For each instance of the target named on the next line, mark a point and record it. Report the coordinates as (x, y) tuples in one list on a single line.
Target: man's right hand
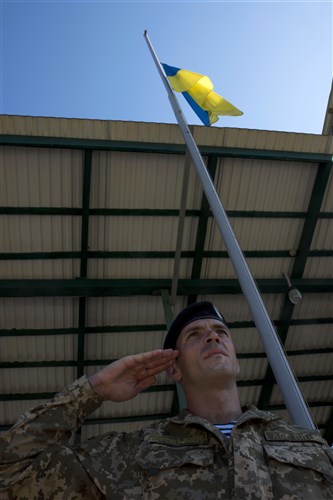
[(125, 378)]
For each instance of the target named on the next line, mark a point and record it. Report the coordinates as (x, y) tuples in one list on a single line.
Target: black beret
[(198, 310)]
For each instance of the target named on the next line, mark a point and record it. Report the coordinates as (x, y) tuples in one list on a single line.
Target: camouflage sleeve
[(49, 423)]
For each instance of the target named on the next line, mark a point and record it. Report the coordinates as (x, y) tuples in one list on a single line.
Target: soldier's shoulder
[(126, 437), (280, 430)]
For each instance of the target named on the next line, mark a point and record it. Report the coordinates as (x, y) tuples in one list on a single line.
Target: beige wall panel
[(141, 180), (309, 337), (115, 345), (318, 267), (134, 310), (40, 177), (316, 305), (38, 348), (40, 233), (31, 380), (40, 269), (137, 268), (258, 234), (38, 312), (260, 268), (323, 235), (139, 233), (265, 185)]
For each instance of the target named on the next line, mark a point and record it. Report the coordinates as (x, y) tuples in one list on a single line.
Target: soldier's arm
[(53, 422), (49, 423)]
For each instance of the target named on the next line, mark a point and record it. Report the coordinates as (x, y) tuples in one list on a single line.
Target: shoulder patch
[(293, 436), (197, 440)]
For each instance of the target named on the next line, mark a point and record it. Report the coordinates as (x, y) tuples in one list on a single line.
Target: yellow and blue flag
[(198, 91)]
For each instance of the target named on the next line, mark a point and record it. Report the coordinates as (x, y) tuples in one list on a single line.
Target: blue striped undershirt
[(226, 428)]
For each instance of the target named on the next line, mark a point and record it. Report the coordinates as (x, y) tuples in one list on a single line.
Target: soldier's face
[(206, 350)]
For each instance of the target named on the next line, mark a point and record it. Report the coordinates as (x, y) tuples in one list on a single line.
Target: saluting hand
[(125, 378)]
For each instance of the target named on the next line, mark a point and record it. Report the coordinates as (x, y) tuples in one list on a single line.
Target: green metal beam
[(49, 395), (123, 287), (84, 257), (211, 254), (104, 362), (83, 266), (90, 330), (317, 196), (85, 212), (141, 328), (157, 388), (146, 147), (167, 309), (294, 352), (40, 211), (202, 229), (155, 212)]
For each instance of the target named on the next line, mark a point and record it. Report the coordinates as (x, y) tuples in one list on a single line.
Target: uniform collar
[(185, 417)]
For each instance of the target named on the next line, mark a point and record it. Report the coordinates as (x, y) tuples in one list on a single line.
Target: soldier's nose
[(212, 337)]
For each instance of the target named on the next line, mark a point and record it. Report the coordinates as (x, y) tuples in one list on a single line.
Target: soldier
[(194, 455)]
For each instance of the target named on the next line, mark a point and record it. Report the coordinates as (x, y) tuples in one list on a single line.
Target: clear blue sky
[(79, 59)]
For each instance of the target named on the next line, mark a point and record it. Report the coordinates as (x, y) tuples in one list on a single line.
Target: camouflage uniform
[(183, 457)]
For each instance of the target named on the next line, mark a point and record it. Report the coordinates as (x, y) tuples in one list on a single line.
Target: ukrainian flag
[(198, 91)]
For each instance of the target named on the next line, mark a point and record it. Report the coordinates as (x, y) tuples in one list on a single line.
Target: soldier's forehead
[(201, 324)]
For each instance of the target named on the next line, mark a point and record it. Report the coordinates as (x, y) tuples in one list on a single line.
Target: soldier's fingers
[(153, 367), (152, 357), (145, 383), (161, 365)]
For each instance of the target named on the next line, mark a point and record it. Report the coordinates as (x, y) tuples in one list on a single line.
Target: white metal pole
[(285, 378)]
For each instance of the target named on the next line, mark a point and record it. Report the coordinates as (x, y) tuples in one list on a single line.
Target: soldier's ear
[(174, 372)]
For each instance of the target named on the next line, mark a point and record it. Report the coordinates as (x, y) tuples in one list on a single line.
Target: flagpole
[(294, 401)]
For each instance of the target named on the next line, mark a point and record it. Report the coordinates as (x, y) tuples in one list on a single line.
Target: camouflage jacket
[(183, 457)]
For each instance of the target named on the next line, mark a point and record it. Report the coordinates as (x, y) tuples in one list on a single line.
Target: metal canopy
[(89, 216)]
